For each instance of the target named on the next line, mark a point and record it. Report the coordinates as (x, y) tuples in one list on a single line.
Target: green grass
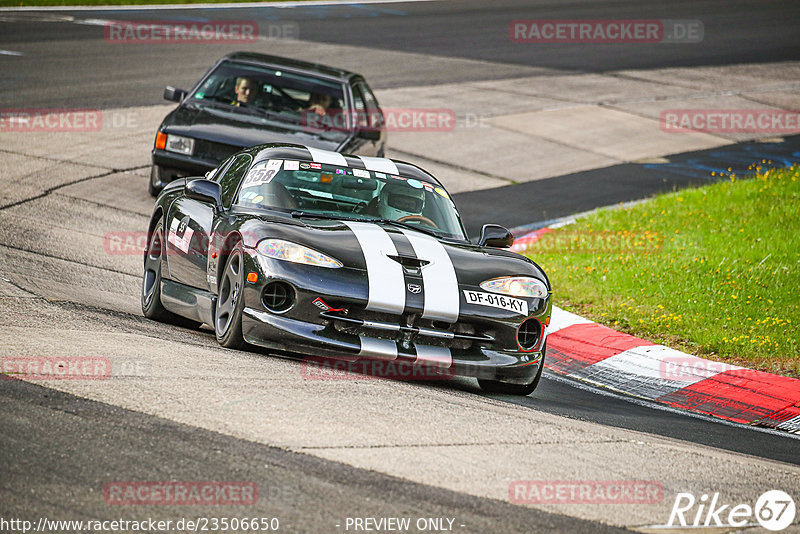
[(18, 3), (714, 271)]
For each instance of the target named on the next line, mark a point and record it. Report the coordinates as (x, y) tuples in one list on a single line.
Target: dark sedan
[(247, 99)]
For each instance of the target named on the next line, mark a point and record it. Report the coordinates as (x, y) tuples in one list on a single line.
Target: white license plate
[(497, 301)]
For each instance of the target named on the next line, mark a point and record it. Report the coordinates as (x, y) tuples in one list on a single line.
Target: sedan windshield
[(329, 191), (271, 92)]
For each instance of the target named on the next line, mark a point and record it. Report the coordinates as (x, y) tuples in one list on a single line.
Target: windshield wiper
[(430, 232), (299, 213)]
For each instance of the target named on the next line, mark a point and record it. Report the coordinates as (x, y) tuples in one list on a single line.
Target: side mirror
[(370, 134), (204, 191), (494, 235), (174, 95)]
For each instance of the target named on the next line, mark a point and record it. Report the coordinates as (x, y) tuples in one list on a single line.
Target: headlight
[(288, 251), (180, 144), (516, 286)]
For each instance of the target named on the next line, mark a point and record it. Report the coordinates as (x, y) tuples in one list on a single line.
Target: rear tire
[(495, 386), (152, 308), (230, 302)]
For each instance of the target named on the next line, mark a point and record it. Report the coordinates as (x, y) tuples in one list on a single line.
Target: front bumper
[(490, 351)]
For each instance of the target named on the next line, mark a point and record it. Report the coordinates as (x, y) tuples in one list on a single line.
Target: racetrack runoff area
[(68, 294)]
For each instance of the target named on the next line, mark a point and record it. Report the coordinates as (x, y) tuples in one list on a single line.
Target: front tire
[(156, 183), (230, 302), (152, 308), (495, 386)]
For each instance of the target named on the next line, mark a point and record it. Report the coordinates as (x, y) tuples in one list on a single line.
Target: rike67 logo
[(774, 510)]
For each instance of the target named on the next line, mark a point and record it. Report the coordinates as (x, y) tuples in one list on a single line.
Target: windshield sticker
[(305, 166), (341, 171), (380, 175), (262, 174), (414, 183), (290, 165), (258, 199), (398, 177), (442, 192), (361, 173), (317, 166)]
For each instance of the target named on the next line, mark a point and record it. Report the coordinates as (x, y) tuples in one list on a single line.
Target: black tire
[(228, 311), (495, 386), (152, 308), (156, 182)]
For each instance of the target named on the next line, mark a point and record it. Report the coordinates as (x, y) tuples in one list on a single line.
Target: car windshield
[(271, 92), (330, 191)]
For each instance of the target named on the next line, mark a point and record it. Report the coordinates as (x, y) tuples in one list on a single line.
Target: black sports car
[(249, 99), (305, 250)]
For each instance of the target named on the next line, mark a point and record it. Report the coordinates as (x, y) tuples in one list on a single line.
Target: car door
[(189, 224), (370, 134)]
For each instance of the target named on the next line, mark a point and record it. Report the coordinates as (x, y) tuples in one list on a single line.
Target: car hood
[(230, 127), (351, 242)]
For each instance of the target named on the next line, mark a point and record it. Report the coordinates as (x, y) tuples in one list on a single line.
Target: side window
[(360, 107), (374, 118), (232, 176)]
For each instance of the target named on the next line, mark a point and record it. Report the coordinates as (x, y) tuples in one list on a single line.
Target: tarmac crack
[(455, 444), (54, 257), (50, 190)]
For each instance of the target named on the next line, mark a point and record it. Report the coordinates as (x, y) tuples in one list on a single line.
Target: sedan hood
[(219, 124)]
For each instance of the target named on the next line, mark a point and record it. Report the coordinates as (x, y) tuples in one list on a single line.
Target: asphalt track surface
[(99, 439)]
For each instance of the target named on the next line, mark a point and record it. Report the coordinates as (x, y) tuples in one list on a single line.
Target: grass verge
[(713, 271)]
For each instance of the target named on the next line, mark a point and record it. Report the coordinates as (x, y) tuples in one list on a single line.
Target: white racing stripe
[(442, 301), (387, 286), (378, 349), (326, 156), (379, 164), (433, 355)]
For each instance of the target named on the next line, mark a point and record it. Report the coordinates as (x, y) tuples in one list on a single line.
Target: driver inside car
[(246, 90), (400, 200)]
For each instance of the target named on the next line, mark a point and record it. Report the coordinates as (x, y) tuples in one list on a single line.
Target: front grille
[(460, 336), (209, 150)]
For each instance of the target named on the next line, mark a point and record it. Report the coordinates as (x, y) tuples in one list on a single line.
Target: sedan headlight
[(180, 144), (516, 286), (288, 251)]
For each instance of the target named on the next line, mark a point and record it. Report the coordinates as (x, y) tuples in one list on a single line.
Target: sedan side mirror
[(494, 235), (370, 134), (204, 191), (174, 95)]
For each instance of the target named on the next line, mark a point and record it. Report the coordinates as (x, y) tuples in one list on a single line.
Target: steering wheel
[(418, 218)]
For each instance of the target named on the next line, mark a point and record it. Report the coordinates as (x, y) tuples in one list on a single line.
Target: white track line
[(10, 53), (165, 7)]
